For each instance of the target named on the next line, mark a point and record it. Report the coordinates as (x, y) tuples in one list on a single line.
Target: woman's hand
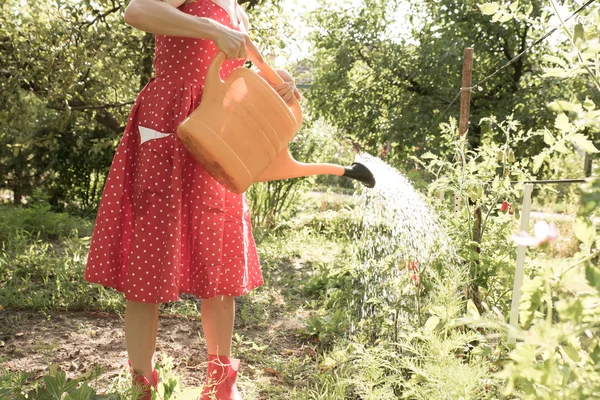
[(235, 44), (287, 90)]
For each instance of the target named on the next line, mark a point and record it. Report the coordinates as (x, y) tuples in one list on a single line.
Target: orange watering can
[(241, 130)]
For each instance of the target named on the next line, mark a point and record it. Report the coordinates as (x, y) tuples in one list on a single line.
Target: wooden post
[(463, 128), (465, 96), (465, 106)]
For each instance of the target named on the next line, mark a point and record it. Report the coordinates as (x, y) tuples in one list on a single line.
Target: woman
[(164, 225)]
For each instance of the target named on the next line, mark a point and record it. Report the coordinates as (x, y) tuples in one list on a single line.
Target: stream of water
[(400, 237)]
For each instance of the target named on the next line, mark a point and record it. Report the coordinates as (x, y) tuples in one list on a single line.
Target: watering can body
[(241, 130)]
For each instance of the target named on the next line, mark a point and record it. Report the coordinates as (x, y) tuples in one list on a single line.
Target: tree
[(381, 87), (69, 73)]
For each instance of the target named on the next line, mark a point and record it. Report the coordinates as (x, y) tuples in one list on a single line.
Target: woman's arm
[(163, 18)]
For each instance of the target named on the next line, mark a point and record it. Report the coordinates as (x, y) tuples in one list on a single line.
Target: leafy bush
[(41, 223), (439, 359), (559, 335), (562, 198)]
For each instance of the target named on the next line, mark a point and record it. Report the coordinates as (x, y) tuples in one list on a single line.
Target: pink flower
[(543, 233)]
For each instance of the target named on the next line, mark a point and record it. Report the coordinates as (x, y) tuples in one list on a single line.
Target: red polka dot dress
[(164, 225)]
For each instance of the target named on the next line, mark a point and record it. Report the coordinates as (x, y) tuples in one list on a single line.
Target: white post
[(516, 297), (456, 205)]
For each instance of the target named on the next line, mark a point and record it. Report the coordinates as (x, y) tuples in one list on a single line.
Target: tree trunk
[(18, 181)]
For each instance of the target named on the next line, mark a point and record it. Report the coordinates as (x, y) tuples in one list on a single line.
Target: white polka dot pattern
[(164, 225)]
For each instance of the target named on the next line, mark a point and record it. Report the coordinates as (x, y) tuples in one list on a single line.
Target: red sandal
[(142, 382), (221, 379)]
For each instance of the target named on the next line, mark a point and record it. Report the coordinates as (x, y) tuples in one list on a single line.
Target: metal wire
[(481, 82)]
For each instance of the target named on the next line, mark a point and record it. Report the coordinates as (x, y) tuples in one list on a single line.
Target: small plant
[(53, 386)]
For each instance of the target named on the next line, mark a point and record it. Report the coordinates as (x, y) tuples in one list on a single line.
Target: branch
[(108, 120), (77, 106), (103, 117), (524, 38), (412, 85), (101, 16), (505, 49)]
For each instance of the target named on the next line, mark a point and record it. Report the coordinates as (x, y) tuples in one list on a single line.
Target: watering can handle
[(213, 80), (269, 73)]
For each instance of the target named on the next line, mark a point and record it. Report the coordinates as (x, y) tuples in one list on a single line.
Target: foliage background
[(70, 70)]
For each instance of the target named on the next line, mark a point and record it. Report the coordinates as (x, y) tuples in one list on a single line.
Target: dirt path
[(276, 356), (80, 342)]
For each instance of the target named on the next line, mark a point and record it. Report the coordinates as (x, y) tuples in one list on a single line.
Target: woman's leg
[(218, 315), (141, 327)]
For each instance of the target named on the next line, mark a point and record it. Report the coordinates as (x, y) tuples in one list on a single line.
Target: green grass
[(42, 270), (42, 276), (313, 284)]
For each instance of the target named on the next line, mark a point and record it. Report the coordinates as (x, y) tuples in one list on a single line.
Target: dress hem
[(237, 292)]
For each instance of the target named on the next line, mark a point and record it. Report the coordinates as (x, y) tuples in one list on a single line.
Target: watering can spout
[(360, 173), (285, 167)]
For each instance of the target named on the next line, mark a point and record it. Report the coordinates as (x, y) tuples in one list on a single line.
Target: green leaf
[(572, 352), (472, 311), (561, 147), (532, 293), (555, 73), (590, 197), (84, 392), (592, 274), (562, 123), (489, 8), (496, 183), (578, 33), (505, 18), (556, 60), (538, 161), (327, 364), (561, 105), (570, 310), (595, 354), (71, 385), (474, 192), (589, 104), (428, 155), (582, 141), (514, 6), (584, 231), (53, 387), (432, 323), (548, 138)]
